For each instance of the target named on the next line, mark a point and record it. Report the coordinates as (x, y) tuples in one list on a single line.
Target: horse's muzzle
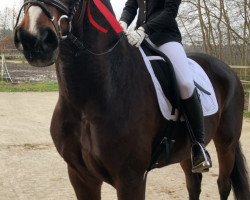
[(40, 49)]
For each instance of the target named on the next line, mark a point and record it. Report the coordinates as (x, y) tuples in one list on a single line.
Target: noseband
[(68, 14)]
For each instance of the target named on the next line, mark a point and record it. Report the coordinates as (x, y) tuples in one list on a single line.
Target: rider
[(156, 22)]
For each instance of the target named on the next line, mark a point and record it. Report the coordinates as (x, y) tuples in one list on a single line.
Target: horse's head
[(44, 24)]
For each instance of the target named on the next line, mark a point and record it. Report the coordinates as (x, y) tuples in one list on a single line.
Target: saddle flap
[(164, 73)]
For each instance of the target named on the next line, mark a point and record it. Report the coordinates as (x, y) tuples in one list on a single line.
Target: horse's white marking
[(34, 14)]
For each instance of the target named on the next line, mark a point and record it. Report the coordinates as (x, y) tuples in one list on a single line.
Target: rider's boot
[(201, 160)]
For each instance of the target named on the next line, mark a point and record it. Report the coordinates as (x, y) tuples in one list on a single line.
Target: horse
[(107, 118)]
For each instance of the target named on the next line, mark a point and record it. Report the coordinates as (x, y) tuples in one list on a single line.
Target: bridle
[(68, 14)]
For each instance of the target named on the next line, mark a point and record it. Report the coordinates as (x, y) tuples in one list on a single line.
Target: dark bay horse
[(107, 116)]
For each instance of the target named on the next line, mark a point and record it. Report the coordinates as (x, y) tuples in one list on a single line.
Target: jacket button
[(144, 21), (144, 2)]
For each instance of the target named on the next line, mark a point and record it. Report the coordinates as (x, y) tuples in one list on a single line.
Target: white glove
[(136, 37), (124, 26)]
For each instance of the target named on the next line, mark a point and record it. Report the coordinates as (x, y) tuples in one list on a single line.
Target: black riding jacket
[(157, 17)]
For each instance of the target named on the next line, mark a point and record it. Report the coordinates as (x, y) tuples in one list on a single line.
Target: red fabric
[(94, 23), (109, 16)]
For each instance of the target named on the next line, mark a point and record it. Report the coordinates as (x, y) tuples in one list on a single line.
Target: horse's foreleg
[(86, 187), (193, 180), (130, 188)]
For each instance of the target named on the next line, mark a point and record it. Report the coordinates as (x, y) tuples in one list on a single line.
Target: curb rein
[(68, 14)]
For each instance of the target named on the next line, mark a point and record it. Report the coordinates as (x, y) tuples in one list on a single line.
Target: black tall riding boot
[(200, 157)]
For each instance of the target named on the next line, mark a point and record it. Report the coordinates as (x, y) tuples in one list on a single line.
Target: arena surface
[(31, 169)]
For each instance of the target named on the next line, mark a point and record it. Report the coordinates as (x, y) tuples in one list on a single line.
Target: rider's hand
[(136, 37), (124, 26)]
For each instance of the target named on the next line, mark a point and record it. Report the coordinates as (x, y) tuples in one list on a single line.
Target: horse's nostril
[(49, 40), (17, 40), (44, 42), (25, 40)]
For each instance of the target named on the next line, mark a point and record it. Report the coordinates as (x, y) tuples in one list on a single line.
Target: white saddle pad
[(209, 102)]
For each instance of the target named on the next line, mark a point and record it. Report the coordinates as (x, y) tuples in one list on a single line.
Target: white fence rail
[(244, 75)]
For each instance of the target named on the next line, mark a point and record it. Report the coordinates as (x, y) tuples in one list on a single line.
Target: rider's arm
[(165, 19), (129, 12)]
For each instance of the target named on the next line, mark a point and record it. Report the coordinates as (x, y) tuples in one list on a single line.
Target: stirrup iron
[(204, 165)]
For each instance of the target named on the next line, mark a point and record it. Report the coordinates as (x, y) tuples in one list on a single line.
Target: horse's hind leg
[(226, 157), (226, 140), (193, 180), (86, 187)]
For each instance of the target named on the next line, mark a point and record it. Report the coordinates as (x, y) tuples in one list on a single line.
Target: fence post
[(2, 67), (248, 109)]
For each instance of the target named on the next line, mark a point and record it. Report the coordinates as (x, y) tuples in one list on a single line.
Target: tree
[(223, 28)]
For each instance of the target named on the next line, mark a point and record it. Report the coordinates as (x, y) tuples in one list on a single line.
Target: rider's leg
[(191, 103), (200, 157)]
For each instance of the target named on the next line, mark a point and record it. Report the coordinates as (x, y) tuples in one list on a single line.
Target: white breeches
[(176, 54)]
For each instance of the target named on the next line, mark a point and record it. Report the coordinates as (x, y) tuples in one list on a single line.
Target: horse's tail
[(240, 177)]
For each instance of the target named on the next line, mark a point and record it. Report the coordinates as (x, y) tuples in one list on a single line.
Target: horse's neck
[(93, 38), (88, 77)]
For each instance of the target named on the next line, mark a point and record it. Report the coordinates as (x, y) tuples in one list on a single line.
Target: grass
[(246, 114), (29, 87)]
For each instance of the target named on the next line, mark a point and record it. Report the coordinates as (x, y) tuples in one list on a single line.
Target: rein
[(82, 47), (69, 14)]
